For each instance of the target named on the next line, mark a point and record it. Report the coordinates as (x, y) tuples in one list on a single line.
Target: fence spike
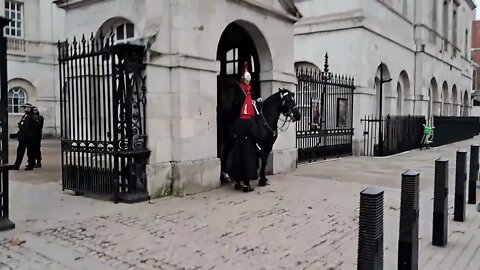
[(93, 44), (326, 63), (84, 43), (74, 46)]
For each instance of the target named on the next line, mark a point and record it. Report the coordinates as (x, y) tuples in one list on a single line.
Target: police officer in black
[(38, 137), (27, 132)]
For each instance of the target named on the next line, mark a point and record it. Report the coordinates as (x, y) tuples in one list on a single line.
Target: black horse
[(282, 102)]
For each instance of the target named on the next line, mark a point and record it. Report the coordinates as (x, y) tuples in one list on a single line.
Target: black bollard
[(409, 212), (460, 185), (473, 177), (370, 233), (440, 204)]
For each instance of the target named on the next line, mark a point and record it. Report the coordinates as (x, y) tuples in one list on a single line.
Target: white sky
[(477, 3)]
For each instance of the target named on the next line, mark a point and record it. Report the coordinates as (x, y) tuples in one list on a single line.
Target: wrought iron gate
[(5, 223), (103, 99), (326, 103)]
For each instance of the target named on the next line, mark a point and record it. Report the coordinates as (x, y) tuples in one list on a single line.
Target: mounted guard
[(247, 136)]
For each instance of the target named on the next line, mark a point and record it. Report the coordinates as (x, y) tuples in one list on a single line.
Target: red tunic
[(247, 112)]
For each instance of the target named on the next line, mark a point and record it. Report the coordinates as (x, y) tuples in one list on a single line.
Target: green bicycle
[(427, 138)]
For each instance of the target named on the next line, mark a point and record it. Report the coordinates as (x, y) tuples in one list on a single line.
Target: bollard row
[(370, 235)]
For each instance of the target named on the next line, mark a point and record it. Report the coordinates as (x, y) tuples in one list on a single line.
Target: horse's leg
[(264, 158)]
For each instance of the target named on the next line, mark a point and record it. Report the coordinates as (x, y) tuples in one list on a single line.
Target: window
[(124, 32), (17, 97), (433, 33), (466, 43), (405, 8), (445, 25), (232, 61), (14, 12), (454, 29)]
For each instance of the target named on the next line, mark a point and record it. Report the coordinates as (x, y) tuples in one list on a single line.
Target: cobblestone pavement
[(307, 219)]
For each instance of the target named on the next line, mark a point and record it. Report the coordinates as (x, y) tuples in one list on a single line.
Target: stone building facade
[(191, 48), (422, 46), (35, 27)]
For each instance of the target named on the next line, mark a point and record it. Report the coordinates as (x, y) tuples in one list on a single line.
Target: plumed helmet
[(246, 75)]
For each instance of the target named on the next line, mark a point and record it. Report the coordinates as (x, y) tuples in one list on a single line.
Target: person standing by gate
[(247, 134), (27, 128), (38, 137)]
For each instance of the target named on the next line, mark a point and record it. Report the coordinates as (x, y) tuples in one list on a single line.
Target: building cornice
[(68, 4), (471, 4), (278, 13)]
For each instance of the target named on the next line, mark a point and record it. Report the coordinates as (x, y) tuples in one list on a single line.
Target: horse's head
[(289, 106)]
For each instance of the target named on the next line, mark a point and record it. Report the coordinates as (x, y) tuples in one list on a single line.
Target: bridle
[(287, 120)]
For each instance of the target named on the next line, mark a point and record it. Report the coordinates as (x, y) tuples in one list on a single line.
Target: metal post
[(380, 128), (473, 178), (440, 204), (370, 233), (5, 223), (409, 212), (460, 186)]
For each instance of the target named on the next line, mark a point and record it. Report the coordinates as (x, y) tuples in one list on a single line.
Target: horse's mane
[(271, 99)]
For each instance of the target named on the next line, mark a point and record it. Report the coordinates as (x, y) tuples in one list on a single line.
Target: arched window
[(118, 28), (124, 32), (17, 97)]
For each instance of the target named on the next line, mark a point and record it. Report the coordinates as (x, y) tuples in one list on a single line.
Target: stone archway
[(445, 98), (466, 104), (455, 102), (383, 99), (403, 94), (240, 42), (435, 100)]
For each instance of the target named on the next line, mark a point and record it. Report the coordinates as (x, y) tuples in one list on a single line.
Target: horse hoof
[(224, 178), (263, 183)]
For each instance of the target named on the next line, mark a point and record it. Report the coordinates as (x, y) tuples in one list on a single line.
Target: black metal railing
[(326, 104), (5, 223), (398, 134), (103, 106), (449, 129)]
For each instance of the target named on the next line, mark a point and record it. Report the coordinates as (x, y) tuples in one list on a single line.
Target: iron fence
[(103, 106), (388, 135), (449, 129), (5, 222), (326, 104)]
